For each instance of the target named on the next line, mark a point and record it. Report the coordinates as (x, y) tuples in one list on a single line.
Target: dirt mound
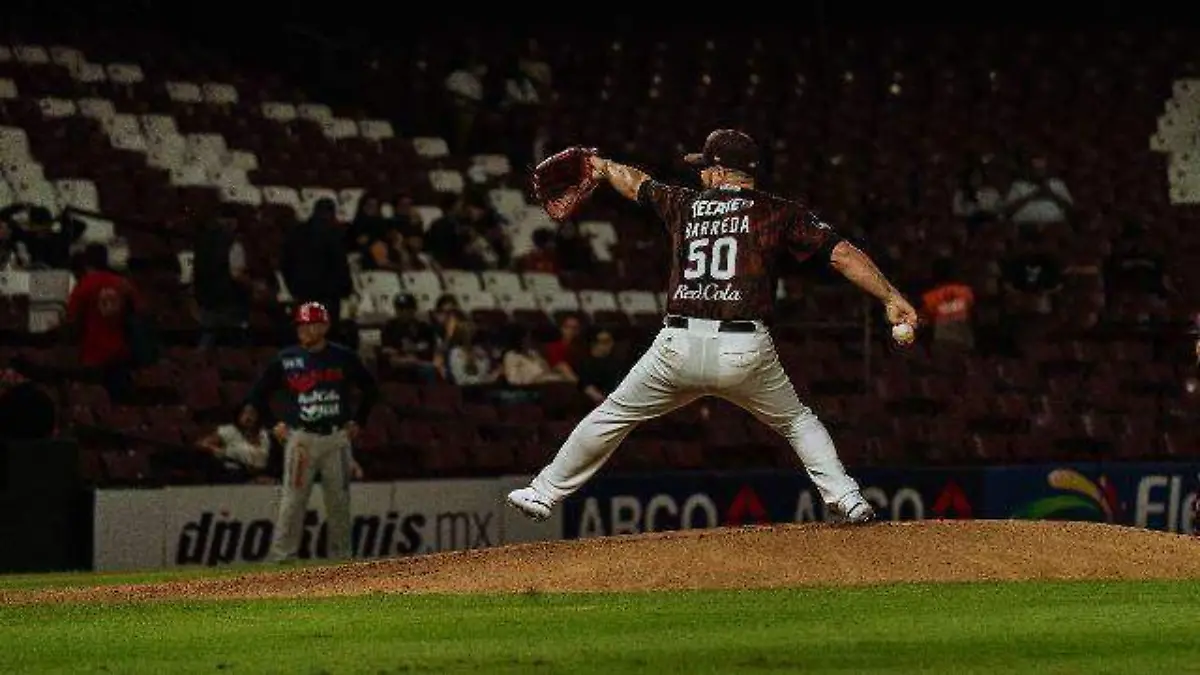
[(748, 557)]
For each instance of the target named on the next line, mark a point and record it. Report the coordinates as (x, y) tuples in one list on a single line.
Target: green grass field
[(959, 628)]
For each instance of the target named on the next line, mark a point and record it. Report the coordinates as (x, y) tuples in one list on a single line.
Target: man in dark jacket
[(220, 282), (314, 263)]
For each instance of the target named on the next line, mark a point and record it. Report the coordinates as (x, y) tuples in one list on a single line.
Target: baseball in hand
[(903, 333)]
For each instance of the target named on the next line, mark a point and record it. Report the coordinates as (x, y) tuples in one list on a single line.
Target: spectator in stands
[(1136, 268), (565, 353), (469, 363), (523, 363), (532, 63), (368, 224), (456, 240), (573, 249), (1030, 276), (464, 88), (409, 346), (1037, 197), (13, 253), (97, 313), (542, 257), (445, 315), (385, 250), (600, 371), (221, 282), (314, 262), (408, 221), (243, 447), (977, 200), (46, 242), (27, 412), (948, 307)]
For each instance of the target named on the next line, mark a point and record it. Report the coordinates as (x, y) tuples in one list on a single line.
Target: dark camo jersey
[(727, 245)]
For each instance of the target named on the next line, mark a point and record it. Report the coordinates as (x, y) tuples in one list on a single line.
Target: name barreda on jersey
[(710, 291), (709, 228)]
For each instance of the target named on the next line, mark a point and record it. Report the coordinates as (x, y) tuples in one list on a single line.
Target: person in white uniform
[(729, 240)]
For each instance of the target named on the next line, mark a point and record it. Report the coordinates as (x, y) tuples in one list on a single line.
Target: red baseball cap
[(311, 312), (729, 148)]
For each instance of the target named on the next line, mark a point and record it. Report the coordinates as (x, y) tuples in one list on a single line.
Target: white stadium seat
[(125, 73), (501, 281), (219, 93), (541, 282), (421, 281), (90, 73), (8, 89), (558, 301), (32, 54), (68, 57), (309, 197), (474, 300), (57, 107), (97, 108), (315, 112), (184, 92), (339, 128), (447, 180), (602, 236), (79, 193), (187, 267), (457, 281), (638, 302), (512, 301), (596, 300), (431, 147), (375, 129), (279, 111)]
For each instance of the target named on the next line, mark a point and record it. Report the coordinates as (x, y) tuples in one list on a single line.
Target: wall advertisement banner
[(648, 503), (226, 524)]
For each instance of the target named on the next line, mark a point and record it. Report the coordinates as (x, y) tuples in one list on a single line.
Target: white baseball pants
[(307, 455), (684, 364)]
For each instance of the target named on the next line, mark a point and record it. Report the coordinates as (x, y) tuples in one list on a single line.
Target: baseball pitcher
[(729, 239), (319, 430)]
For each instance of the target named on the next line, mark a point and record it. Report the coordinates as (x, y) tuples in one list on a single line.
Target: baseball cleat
[(852, 510), (530, 503)]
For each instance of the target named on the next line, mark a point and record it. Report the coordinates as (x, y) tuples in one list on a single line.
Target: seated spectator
[(1030, 277), (600, 371), (1037, 198), (243, 447), (385, 250), (98, 311), (469, 363), (977, 200), (13, 253), (948, 307), (1136, 267), (27, 412), (542, 258), (565, 353), (409, 346), (445, 314), (368, 224), (523, 363), (572, 249)]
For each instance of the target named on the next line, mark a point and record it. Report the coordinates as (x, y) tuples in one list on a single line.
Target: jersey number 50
[(718, 261)]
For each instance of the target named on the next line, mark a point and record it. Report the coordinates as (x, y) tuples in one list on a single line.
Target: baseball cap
[(729, 148), (311, 312)]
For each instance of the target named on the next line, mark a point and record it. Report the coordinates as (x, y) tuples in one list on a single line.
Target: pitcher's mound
[(747, 557)]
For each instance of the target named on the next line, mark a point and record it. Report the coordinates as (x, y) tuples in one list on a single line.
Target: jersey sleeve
[(809, 236), (667, 201), (367, 386)]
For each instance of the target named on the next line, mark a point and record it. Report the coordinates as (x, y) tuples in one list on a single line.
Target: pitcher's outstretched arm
[(625, 179)]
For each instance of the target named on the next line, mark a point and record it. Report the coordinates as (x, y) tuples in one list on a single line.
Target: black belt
[(676, 321), (323, 429)]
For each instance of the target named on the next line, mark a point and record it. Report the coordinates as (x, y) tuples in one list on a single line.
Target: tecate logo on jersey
[(710, 291)]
